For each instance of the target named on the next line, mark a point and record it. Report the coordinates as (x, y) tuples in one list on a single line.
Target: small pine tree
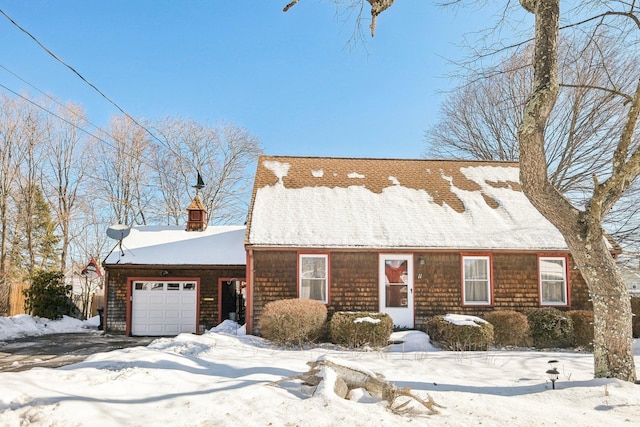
[(48, 296), (46, 241)]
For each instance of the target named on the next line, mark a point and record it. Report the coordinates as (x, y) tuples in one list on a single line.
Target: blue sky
[(291, 79)]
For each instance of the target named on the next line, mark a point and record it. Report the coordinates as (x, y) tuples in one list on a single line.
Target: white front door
[(396, 288), (163, 308)]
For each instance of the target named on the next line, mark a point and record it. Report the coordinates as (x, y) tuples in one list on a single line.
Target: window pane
[(476, 280), (553, 283), (313, 267), (313, 277), (396, 271), (551, 269), (157, 286), (173, 286), (476, 269), (396, 295), (189, 287), (313, 289), (553, 292)]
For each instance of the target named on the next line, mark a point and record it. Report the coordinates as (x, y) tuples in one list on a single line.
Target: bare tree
[(34, 243), (223, 156), (11, 156), (582, 227), (479, 120), (122, 171), (64, 173)]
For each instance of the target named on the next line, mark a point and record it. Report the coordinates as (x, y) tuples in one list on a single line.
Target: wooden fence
[(16, 298), (97, 301)]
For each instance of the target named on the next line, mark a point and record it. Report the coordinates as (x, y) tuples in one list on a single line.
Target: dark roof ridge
[(274, 156)]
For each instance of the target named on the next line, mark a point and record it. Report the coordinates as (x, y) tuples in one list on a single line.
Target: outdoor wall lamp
[(553, 373), (421, 261)]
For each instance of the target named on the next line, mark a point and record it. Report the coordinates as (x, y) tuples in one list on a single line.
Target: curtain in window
[(552, 280), (476, 279), (313, 278)]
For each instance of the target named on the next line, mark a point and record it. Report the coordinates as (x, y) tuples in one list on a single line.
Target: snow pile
[(222, 379), (23, 325)]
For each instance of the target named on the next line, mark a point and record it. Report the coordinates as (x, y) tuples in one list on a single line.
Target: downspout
[(249, 274)]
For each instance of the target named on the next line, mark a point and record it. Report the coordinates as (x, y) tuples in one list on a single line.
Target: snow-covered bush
[(359, 329), (582, 327), (550, 328), (293, 321), (510, 328), (460, 333)]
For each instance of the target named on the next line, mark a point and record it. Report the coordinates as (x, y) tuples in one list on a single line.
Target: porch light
[(421, 260), (553, 373)]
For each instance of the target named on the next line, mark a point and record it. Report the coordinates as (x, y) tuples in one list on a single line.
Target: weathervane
[(200, 183)]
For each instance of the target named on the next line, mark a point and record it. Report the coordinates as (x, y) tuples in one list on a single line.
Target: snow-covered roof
[(382, 203), (172, 245)]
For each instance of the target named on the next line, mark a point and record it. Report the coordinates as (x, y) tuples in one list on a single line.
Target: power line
[(53, 100), (60, 60), (56, 115)]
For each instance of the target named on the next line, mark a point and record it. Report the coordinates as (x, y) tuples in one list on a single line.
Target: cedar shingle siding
[(437, 287), (116, 309)]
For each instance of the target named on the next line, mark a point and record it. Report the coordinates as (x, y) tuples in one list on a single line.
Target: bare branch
[(290, 5), (604, 89)]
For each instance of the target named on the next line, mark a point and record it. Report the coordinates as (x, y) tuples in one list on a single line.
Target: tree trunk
[(613, 354), (612, 348)]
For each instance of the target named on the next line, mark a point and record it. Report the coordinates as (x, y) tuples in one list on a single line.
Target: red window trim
[(567, 274), (462, 298), (328, 255)]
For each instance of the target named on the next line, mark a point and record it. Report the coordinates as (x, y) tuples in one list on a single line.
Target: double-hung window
[(313, 276), (553, 280), (476, 286)]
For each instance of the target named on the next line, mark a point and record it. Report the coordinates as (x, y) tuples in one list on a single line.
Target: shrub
[(582, 327), (293, 321), (49, 296), (476, 334), (635, 308), (510, 328), (359, 329), (550, 328)]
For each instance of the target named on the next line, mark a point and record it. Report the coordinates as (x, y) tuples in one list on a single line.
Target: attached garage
[(167, 280), (160, 308)]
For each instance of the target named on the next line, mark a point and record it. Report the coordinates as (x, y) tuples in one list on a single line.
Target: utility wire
[(56, 101), (56, 115), (60, 60), (107, 143)]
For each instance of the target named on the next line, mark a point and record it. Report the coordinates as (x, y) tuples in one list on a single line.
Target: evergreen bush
[(359, 329), (550, 328), (460, 337), (582, 328), (510, 328), (49, 296), (293, 321)]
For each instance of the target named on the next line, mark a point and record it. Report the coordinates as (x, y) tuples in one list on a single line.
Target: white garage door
[(163, 308)]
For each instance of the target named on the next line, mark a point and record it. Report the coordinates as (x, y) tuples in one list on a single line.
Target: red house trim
[(491, 279), (567, 275)]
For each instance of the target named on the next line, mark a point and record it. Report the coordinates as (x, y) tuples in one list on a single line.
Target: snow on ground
[(222, 378), (24, 325)]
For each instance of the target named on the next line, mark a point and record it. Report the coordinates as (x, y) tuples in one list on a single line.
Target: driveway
[(54, 350)]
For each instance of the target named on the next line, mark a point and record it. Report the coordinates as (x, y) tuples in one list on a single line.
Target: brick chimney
[(197, 220)]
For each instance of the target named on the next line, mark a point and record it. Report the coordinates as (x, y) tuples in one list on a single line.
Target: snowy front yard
[(222, 379)]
